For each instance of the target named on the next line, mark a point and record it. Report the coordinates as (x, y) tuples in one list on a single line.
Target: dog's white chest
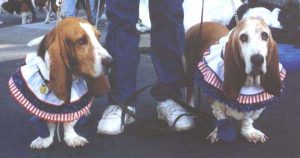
[(35, 73)]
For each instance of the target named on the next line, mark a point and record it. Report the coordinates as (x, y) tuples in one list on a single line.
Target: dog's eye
[(81, 41), (264, 36), (244, 37)]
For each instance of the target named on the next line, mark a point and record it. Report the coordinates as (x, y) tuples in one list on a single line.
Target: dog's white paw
[(213, 136), (75, 140), (255, 136), (41, 143)]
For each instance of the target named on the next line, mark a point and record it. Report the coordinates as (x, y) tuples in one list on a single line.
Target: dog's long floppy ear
[(192, 53), (271, 80), (234, 69), (60, 72), (44, 44), (98, 86)]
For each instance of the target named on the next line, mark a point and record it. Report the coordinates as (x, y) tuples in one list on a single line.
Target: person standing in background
[(70, 9), (167, 46)]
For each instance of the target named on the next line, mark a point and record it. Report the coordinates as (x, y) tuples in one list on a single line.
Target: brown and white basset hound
[(249, 59), (74, 60), (72, 49)]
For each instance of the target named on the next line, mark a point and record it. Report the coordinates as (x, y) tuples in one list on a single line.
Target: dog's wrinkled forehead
[(72, 29), (252, 26)]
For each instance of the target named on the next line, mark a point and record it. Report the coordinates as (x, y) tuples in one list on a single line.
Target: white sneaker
[(111, 122), (169, 110)]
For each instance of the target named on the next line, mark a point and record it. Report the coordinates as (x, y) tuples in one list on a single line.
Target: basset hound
[(238, 69), (25, 7), (58, 83)]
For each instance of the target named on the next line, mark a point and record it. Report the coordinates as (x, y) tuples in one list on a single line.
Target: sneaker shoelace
[(112, 112), (172, 109)]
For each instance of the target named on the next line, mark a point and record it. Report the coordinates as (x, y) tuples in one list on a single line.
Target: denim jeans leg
[(122, 43), (70, 8), (167, 41)]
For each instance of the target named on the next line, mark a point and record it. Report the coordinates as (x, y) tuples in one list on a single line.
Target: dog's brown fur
[(196, 44)]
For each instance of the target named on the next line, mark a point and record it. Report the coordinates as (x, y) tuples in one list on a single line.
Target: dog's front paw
[(213, 136), (41, 143), (254, 135), (75, 140)]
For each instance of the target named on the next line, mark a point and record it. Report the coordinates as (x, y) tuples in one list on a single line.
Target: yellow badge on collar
[(43, 89)]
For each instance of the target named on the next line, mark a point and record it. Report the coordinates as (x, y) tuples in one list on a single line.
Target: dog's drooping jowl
[(238, 69), (58, 83)]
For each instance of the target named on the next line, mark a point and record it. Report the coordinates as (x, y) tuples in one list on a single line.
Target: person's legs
[(122, 43), (70, 8), (93, 10), (167, 43), (32, 9)]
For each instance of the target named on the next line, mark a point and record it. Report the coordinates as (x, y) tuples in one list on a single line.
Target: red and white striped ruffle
[(42, 114), (210, 77)]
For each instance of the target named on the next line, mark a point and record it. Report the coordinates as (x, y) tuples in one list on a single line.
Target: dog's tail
[(35, 41)]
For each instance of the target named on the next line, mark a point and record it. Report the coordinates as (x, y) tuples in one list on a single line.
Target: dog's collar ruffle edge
[(48, 107), (218, 94)]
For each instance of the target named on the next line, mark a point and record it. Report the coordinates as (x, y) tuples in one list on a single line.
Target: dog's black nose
[(106, 62), (257, 60)]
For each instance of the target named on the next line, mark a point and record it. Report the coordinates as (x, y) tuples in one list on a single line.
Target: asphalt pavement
[(280, 121)]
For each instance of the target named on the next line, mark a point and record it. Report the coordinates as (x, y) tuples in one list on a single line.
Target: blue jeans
[(70, 8), (167, 44)]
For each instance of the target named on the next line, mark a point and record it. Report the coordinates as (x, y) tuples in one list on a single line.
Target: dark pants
[(167, 44), (31, 8)]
